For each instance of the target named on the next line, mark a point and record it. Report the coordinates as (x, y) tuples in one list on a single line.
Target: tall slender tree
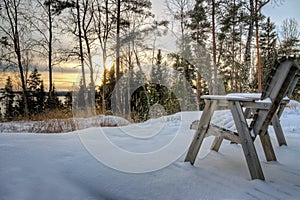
[(267, 40), (8, 100), (290, 38), (36, 97), (258, 6), (13, 27), (43, 20)]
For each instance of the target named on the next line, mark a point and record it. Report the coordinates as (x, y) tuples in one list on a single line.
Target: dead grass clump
[(55, 126)]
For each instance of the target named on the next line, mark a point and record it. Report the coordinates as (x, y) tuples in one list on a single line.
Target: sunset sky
[(66, 76)]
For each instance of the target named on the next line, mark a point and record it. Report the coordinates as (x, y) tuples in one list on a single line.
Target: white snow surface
[(59, 166)]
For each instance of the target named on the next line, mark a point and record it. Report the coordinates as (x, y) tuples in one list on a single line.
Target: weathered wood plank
[(246, 141), (281, 108), (221, 134), (278, 88), (257, 105), (221, 102), (293, 85), (201, 131), (217, 131)]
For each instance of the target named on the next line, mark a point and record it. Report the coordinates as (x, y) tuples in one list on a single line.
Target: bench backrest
[(279, 85)]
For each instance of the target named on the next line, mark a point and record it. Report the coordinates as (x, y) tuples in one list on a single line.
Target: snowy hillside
[(82, 165)]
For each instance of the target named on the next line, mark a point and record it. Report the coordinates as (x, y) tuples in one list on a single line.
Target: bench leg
[(267, 146), (201, 132), (246, 141), (278, 131)]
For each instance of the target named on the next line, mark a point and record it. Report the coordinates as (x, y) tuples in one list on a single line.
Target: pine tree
[(198, 23), (36, 93), (268, 38), (8, 100), (40, 98), (68, 100), (51, 9), (228, 39), (158, 74), (15, 28), (105, 90), (200, 28), (52, 101)]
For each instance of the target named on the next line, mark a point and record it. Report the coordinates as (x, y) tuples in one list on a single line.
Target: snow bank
[(62, 125)]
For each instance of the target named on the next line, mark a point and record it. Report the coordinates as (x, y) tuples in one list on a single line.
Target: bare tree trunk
[(50, 52), (198, 90), (247, 57), (257, 10), (106, 31), (80, 44), (118, 99), (238, 71), (18, 52), (258, 58), (215, 86), (118, 40), (104, 58), (102, 28), (233, 89), (85, 28), (12, 14)]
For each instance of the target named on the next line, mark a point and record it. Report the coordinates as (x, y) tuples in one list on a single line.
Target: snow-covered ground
[(87, 164)]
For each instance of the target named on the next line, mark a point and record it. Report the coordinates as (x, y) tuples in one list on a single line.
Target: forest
[(222, 46)]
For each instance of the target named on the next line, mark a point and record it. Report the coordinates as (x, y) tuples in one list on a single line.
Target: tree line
[(222, 46)]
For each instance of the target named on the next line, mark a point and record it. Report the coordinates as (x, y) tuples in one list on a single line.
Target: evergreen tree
[(80, 100), (268, 38), (8, 99), (40, 98), (200, 28), (36, 93), (228, 43), (138, 104), (198, 23), (158, 74), (53, 102), (68, 100), (105, 90)]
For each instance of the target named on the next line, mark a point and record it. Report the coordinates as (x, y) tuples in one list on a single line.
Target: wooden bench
[(265, 111)]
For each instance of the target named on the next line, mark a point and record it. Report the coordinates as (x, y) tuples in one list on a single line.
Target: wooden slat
[(214, 130), (246, 141), (293, 85), (221, 102), (281, 108), (257, 105), (201, 132)]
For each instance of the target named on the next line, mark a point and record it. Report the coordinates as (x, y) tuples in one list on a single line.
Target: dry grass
[(64, 120), (46, 115)]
